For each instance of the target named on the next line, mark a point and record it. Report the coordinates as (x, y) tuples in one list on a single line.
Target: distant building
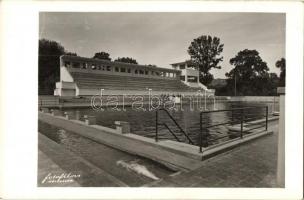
[(81, 76), (189, 74)]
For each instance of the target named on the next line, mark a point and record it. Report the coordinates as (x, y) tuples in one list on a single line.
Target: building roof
[(184, 62), (115, 63)]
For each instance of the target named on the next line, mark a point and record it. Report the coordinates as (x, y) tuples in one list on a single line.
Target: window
[(108, 68), (146, 72), (129, 70), (116, 69), (152, 73), (98, 67), (122, 69), (182, 78), (182, 66), (141, 71), (136, 71), (192, 79), (157, 73), (93, 67), (84, 66)]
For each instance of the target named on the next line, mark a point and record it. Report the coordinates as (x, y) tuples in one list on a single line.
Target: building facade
[(189, 74), (81, 76)]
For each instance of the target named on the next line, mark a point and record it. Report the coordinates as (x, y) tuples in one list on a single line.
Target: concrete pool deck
[(250, 165)]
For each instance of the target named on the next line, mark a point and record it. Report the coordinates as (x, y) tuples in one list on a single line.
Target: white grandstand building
[(81, 76)]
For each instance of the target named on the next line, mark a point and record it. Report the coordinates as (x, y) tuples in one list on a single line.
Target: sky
[(163, 38)]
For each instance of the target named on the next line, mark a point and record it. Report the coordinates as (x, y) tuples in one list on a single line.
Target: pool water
[(143, 122)]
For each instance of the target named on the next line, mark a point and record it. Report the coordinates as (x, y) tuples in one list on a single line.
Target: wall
[(89, 92), (65, 75), (89, 62), (132, 74), (255, 98), (65, 85)]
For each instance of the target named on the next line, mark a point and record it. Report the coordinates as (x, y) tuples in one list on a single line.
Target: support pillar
[(281, 140), (89, 120), (66, 115), (55, 112), (122, 127), (45, 110)]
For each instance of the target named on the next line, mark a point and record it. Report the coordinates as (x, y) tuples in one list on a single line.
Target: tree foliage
[(251, 75), (205, 54), (126, 60), (48, 65), (102, 55), (282, 66)]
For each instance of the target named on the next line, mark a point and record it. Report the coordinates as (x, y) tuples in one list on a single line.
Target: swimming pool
[(143, 122)]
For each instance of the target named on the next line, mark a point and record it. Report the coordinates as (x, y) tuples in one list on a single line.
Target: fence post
[(201, 133), (266, 118), (242, 120), (232, 117), (205, 137), (156, 126)]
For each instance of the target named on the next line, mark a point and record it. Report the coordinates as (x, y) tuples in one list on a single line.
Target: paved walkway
[(54, 160), (249, 165), (96, 164), (45, 166)]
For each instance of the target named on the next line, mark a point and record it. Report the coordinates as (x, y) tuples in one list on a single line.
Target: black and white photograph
[(161, 99), (151, 99)]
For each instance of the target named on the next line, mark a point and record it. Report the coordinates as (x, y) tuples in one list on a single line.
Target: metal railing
[(243, 117), (165, 125), (51, 102), (60, 102)]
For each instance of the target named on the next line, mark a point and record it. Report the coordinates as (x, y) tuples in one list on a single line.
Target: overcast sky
[(163, 38)]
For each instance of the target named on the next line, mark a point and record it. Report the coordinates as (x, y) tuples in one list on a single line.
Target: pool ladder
[(169, 129)]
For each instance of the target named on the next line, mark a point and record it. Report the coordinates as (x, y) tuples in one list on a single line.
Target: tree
[(126, 60), (273, 83), (219, 85), (281, 64), (205, 54), (48, 65), (250, 73), (102, 55)]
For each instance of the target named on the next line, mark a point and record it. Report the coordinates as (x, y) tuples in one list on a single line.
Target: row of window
[(117, 69), (192, 79), (183, 66)]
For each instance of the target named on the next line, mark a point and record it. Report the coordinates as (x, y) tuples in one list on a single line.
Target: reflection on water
[(143, 122)]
